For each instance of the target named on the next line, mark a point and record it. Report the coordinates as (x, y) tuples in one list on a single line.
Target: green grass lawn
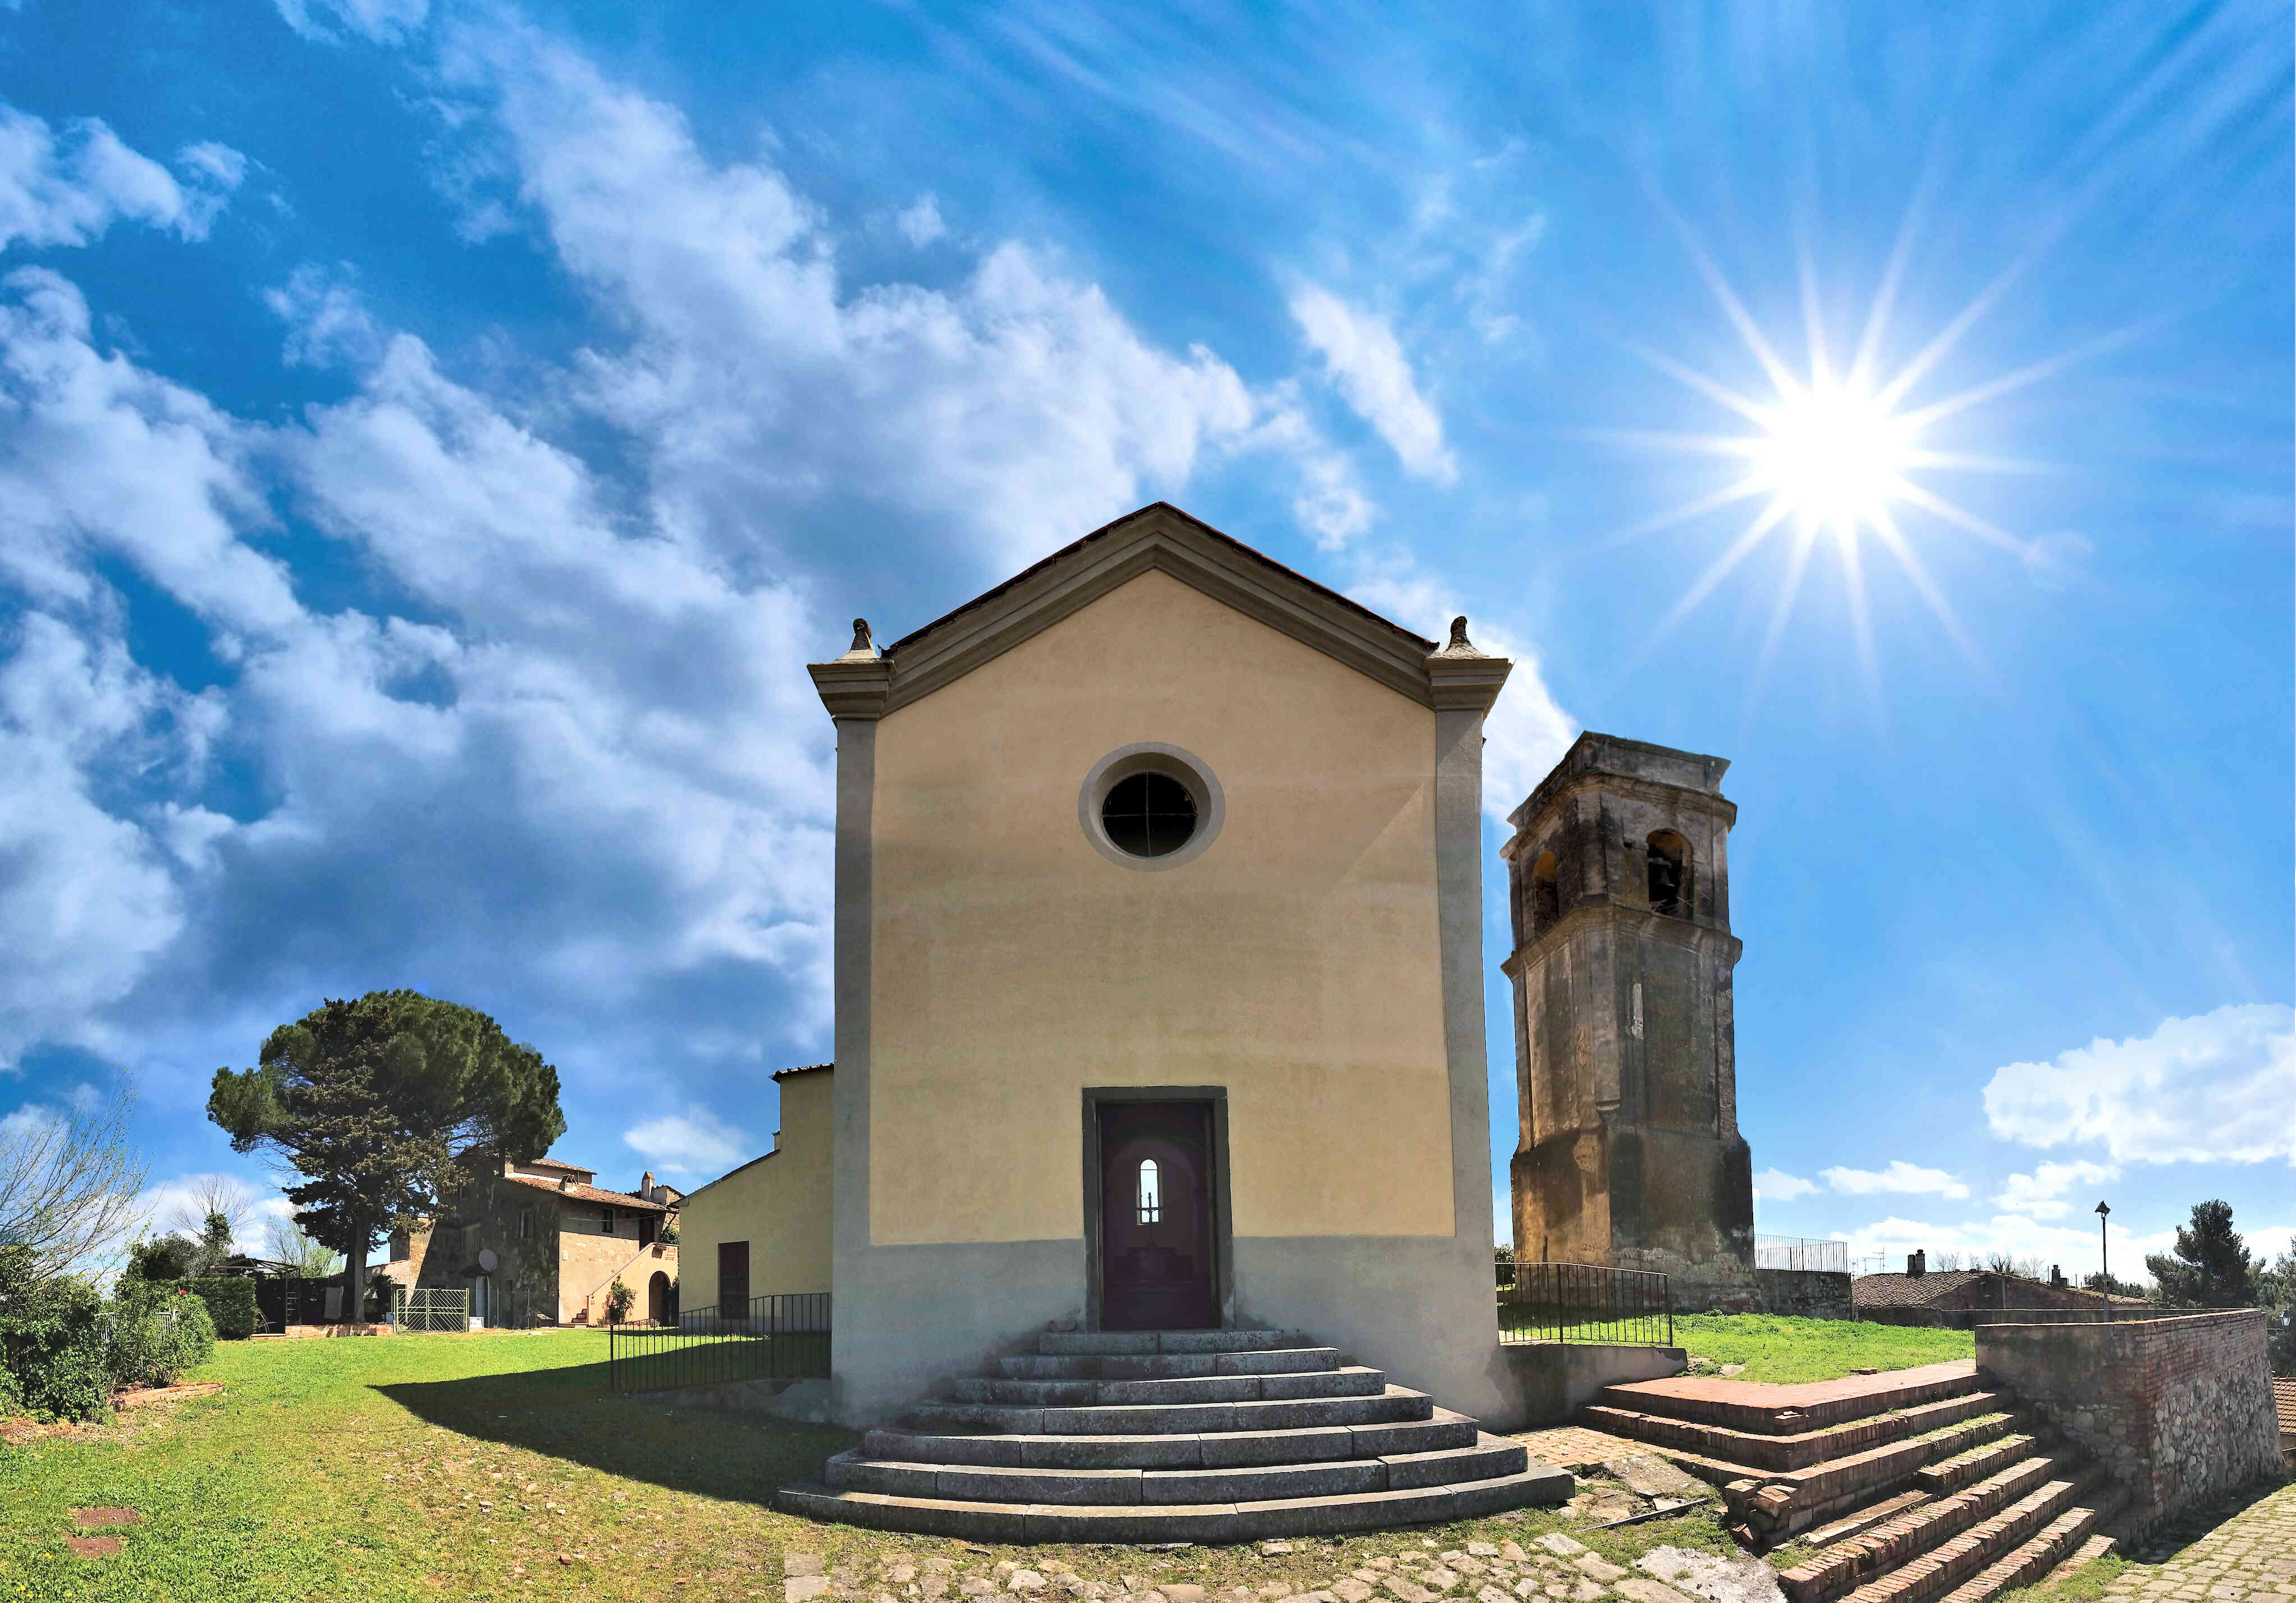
[(499, 1466), (1782, 1350)]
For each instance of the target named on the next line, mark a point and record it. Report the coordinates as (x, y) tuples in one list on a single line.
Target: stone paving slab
[(2249, 1558), (1574, 1447)]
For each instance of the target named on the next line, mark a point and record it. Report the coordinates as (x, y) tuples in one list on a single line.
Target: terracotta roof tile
[(2283, 1397), (804, 1068), (1909, 1290), (621, 1200)]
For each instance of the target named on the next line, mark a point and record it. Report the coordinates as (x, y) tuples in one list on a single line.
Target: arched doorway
[(658, 1299)]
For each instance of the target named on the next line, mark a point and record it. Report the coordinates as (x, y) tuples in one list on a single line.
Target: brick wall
[(2179, 1409)]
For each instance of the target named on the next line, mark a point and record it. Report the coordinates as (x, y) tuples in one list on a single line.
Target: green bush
[(231, 1303), (158, 1331), (52, 1341)]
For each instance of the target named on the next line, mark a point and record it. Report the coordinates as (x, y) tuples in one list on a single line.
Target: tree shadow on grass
[(570, 1413)]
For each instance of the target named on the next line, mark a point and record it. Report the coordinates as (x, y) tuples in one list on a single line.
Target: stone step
[(1943, 1568), (1842, 1565), (1962, 1469), (1217, 1522), (1787, 1410), (1354, 1381), (1489, 1457), (1061, 1343), (1766, 1450), (1388, 1405), (1211, 1450), (2063, 1538), (1158, 1366)]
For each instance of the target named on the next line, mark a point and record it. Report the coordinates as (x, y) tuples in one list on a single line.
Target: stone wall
[(1815, 1294), (1548, 1382), (2179, 1409)]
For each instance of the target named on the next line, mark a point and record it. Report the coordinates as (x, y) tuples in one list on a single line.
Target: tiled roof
[(1909, 1290), (809, 1068), (590, 1194), (2284, 1396), (555, 1164)]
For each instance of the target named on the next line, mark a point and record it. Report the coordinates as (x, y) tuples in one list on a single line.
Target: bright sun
[(1835, 454)]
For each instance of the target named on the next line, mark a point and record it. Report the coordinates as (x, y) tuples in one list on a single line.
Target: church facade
[(1159, 993)]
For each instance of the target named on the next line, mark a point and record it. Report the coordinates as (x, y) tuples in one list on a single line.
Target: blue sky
[(434, 439)]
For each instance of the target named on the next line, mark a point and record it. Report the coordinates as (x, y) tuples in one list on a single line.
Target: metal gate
[(431, 1308)]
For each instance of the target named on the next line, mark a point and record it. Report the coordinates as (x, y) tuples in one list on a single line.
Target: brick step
[(1355, 1381), (1894, 1543), (1210, 1449), (2094, 1548), (1158, 1366), (1866, 1518), (1789, 1410), (1218, 1522), (1764, 1451), (1962, 1469), (1793, 1501), (2057, 1545), (1487, 1458), (1391, 1403), (1064, 1343), (1964, 1558)]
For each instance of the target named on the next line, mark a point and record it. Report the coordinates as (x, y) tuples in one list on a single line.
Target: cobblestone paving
[(1575, 1447), (2250, 1555)]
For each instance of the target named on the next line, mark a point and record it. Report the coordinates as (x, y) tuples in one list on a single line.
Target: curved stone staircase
[(1916, 1485), (1179, 1435)]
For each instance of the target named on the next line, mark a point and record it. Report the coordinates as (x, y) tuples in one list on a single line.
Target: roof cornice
[(1159, 538)]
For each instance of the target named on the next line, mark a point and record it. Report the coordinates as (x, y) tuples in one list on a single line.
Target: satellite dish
[(487, 1261)]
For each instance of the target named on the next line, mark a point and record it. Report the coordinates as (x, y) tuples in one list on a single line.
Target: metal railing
[(781, 1337), (1797, 1252), (1586, 1302)]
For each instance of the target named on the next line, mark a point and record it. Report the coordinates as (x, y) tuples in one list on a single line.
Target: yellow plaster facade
[(1295, 962), (779, 1203)]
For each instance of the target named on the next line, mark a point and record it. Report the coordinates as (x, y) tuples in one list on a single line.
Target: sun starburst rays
[(1839, 457)]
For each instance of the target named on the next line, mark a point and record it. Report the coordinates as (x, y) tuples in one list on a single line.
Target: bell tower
[(1625, 1051)]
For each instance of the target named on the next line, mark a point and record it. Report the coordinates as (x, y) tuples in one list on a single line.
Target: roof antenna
[(1459, 634)]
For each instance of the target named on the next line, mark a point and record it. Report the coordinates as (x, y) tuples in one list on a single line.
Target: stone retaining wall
[(1815, 1293), (2179, 1410)]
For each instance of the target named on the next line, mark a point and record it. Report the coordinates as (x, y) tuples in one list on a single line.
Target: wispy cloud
[(1775, 1184), (1365, 363), (2040, 1195), (695, 1142), (1899, 1178)]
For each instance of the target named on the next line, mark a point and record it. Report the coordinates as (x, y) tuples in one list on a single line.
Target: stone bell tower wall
[(1629, 1152)]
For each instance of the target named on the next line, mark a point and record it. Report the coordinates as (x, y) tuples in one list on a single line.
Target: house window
[(1151, 1192), (606, 1218)]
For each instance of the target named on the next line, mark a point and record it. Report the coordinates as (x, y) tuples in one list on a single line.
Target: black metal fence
[(780, 1337), (1585, 1302)]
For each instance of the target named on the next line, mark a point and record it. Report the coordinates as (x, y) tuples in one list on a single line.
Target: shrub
[(53, 1343), (157, 1333), (619, 1298), (231, 1304)]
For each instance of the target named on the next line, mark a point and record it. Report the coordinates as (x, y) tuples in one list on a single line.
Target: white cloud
[(69, 189), (1900, 1178), (2071, 1247), (1775, 1184), (2041, 1193), (2217, 1088), (1365, 362), (696, 1142), (921, 224), (382, 21)]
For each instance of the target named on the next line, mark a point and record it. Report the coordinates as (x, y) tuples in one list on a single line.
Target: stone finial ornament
[(1459, 634), (861, 641)]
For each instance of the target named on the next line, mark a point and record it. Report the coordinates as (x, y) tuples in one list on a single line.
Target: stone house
[(763, 1229), (1923, 1296), (541, 1243)]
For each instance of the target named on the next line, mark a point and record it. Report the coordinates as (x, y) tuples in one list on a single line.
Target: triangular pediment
[(1163, 539)]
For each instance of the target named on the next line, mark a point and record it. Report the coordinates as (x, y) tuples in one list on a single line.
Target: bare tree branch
[(68, 1180)]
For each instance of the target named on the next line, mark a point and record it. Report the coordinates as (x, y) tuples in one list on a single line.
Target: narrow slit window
[(1151, 1192)]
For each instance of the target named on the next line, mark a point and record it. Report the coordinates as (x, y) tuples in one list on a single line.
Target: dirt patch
[(147, 1396), (92, 1547), (106, 1516)]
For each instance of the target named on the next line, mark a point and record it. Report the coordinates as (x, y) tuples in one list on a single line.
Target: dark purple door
[(1156, 1216)]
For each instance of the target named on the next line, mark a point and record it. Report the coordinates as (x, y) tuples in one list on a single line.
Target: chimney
[(1917, 1263), (565, 1180), (645, 1186), (2056, 1274)]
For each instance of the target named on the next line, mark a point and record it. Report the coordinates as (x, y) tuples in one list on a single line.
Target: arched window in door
[(1151, 1193)]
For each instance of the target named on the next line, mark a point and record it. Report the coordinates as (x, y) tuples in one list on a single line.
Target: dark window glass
[(1149, 815)]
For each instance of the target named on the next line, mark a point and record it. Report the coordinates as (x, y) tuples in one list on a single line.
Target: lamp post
[(2104, 1257)]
